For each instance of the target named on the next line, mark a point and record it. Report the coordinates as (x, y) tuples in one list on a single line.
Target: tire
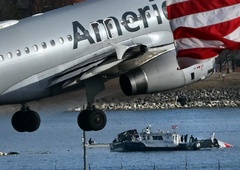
[(32, 121), (83, 121), (97, 120), (18, 121)]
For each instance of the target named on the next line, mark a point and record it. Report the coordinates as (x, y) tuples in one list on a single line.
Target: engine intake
[(134, 82)]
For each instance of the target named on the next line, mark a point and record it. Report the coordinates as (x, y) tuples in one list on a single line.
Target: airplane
[(85, 45)]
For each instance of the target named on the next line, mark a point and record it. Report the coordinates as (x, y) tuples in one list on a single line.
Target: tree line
[(17, 9)]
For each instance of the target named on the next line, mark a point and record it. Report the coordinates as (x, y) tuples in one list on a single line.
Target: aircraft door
[(112, 28), (99, 32)]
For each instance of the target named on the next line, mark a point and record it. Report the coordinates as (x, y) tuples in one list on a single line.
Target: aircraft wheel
[(97, 120), (32, 121), (82, 120), (18, 121)]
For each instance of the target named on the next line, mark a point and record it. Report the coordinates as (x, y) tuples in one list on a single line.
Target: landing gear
[(92, 118), (26, 120)]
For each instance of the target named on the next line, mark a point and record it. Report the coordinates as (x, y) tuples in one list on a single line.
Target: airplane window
[(44, 45), (61, 40), (156, 13), (86, 32), (78, 36), (110, 26), (35, 47), (69, 37), (139, 17), (9, 55), (26, 50), (52, 42), (96, 30), (148, 15), (164, 9), (18, 52), (131, 20), (1, 58), (192, 76), (123, 22)]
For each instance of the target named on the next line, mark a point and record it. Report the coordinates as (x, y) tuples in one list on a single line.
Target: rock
[(188, 99)]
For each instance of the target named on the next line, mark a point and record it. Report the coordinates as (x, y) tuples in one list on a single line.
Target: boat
[(8, 153), (97, 145), (161, 140)]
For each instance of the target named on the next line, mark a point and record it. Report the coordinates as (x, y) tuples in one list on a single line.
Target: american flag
[(202, 29)]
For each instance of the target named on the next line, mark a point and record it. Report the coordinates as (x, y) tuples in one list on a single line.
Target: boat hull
[(139, 146), (147, 140)]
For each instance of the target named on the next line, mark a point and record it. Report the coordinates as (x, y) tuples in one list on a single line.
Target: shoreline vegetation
[(219, 90), (18, 9)]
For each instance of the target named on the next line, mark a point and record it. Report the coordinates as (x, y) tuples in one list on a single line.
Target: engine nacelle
[(162, 74)]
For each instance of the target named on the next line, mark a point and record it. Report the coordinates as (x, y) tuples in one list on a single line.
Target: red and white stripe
[(224, 144), (202, 29)]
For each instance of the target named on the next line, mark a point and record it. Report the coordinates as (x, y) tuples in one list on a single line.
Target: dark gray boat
[(147, 140)]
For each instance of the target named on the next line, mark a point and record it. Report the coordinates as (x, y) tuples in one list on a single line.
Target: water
[(58, 142)]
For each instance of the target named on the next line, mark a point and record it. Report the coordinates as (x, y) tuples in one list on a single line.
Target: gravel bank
[(178, 99), (212, 92)]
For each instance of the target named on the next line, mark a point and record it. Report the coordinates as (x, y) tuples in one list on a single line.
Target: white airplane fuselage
[(37, 49), (88, 44)]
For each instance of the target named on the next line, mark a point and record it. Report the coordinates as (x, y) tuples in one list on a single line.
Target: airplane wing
[(111, 66)]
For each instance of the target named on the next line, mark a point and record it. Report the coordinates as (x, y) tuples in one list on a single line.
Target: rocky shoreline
[(209, 93), (177, 99)]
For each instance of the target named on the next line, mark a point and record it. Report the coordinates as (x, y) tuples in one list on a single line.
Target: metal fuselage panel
[(40, 47)]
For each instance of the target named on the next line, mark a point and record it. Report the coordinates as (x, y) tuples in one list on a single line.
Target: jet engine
[(162, 73)]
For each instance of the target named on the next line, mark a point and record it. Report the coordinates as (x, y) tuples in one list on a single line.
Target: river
[(58, 142)]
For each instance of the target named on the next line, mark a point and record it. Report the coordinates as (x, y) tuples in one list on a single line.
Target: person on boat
[(147, 130), (191, 138), (90, 141), (138, 137), (115, 140), (185, 138), (181, 138), (133, 138)]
